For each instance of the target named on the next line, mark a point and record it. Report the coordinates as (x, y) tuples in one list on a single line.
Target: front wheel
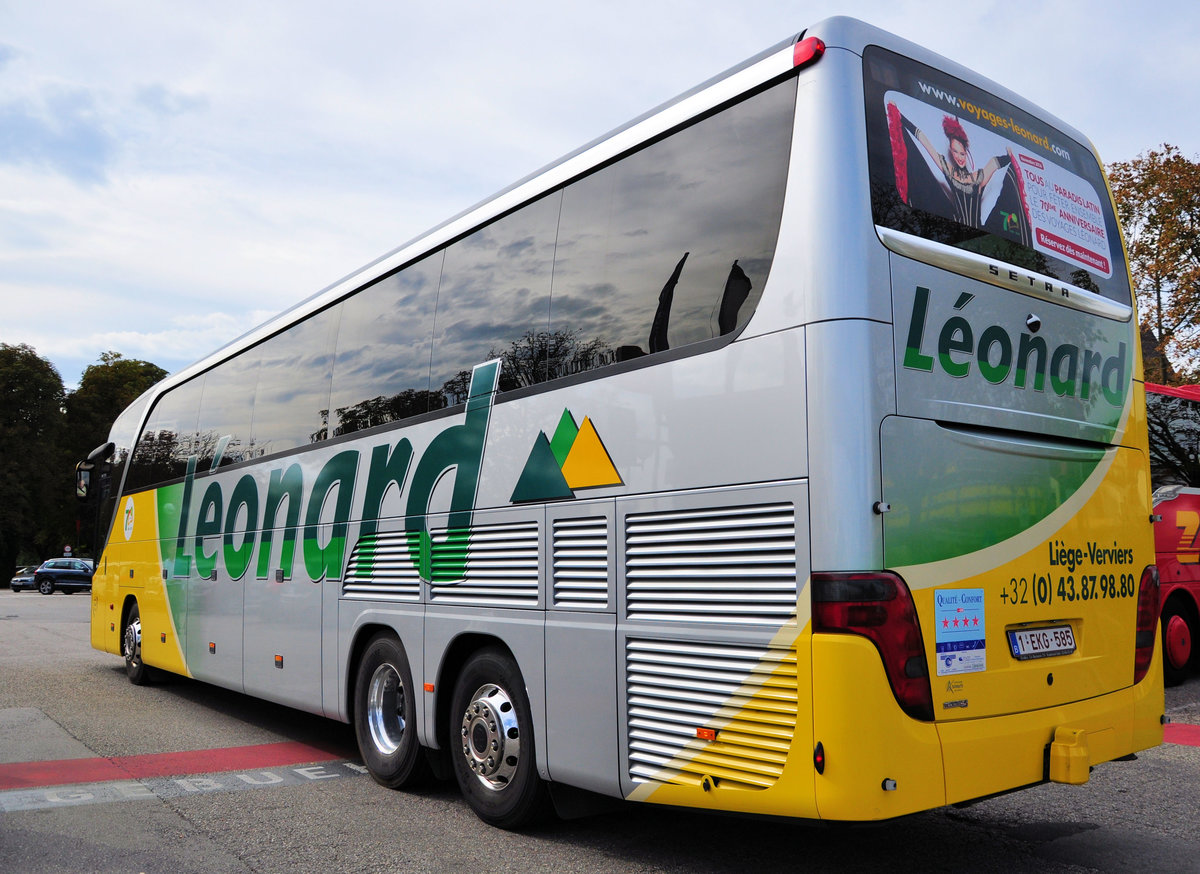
[(131, 647), (491, 743), (46, 585), (1179, 643), (385, 715)]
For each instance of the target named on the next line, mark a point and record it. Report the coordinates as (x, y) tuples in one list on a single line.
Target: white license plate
[(1039, 643)]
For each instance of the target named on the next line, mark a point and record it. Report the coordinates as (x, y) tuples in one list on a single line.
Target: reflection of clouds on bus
[(383, 347), (571, 282)]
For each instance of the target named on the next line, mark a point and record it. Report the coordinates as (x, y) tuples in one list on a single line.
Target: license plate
[(1040, 643)]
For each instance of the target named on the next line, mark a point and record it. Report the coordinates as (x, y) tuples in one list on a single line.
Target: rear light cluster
[(1147, 622), (879, 607)]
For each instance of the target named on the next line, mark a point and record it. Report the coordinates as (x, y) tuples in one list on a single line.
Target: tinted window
[(291, 403), (168, 439), (226, 406), (123, 434), (956, 165), (381, 372), (672, 244), (494, 301), (1174, 425), (666, 247)]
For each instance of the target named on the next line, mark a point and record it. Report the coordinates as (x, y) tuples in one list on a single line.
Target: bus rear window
[(956, 165)]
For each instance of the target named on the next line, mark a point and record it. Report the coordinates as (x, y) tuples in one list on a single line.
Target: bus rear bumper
[(882, 764), (1059, 744)]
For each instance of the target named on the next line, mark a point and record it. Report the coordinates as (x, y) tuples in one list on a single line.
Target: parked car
[(23, 578), (66, 574)]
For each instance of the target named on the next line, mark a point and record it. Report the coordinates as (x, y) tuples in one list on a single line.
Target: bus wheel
[(491, 743), (1178, 643), (131, 648), (385, 715)]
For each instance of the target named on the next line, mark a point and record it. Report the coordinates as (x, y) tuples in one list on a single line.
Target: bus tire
[(385, 715), (491, 743), (1179, 643), (131, 647)]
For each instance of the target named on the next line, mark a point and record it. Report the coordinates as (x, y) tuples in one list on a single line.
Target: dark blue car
[(63, 574)]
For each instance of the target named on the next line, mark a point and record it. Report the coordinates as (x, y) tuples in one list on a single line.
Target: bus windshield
[(953, 164)]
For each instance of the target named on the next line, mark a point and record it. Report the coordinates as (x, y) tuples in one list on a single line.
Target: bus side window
[(672, 244), (494, 301)]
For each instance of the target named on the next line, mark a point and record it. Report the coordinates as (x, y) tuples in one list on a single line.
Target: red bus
[(1173, 416)]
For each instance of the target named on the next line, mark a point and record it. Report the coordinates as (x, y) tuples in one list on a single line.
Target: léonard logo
[(129, 517), (1027, 360), (574, 458), (256, 526)]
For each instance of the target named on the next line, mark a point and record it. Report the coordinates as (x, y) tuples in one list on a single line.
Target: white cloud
[(182, 170)]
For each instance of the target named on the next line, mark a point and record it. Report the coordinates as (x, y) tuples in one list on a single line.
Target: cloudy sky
[(173, 173)]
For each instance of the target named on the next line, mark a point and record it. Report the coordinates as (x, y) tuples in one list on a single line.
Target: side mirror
[(83, 480)]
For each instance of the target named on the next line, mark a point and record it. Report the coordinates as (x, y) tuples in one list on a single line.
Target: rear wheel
[(1179, 643), (385, 715), (46, 585), (131, 647), (491, 743)]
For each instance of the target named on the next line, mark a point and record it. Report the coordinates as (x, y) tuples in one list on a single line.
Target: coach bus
[(1173, 417), (782, 452)]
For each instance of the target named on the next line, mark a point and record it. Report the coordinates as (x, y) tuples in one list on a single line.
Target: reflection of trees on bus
[(1174, 425)]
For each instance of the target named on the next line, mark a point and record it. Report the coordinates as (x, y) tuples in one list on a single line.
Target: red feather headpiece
[(954, 130)]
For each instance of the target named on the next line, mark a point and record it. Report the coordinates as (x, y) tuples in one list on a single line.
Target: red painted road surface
[(1180, 733), (29, 775)]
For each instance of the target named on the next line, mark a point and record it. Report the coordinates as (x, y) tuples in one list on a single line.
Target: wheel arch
[(1181, 601), (126, 607), (455, 657), (363, 636), (1186, 598)]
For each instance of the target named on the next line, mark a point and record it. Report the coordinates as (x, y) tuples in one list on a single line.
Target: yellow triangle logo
[(587, 464)]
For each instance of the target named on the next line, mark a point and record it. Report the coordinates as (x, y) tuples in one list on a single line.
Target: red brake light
[(1147, 622), (879, 607), (807, 51)]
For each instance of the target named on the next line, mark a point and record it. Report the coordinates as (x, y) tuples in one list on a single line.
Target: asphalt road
[(204, 809)]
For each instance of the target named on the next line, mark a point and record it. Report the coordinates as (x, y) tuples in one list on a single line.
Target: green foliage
[(44, 431), (31, 423), (104, 391), (1158, 199)]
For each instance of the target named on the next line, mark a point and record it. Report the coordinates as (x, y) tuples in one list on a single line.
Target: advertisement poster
[(986, 175)]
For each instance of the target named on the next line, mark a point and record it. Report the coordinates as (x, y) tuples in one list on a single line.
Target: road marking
[(1181, 733), (167, 788), (63, 772)]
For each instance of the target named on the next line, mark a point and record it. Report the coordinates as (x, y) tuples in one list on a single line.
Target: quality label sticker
[(960, 635)]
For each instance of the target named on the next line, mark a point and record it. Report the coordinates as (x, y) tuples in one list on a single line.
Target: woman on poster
[(964, 184)]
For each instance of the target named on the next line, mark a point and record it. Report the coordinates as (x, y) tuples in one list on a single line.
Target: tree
[(105, 389), (1158, 199), (31, 396)]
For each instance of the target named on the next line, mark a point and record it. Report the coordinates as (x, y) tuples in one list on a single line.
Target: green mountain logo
[(575, 458)]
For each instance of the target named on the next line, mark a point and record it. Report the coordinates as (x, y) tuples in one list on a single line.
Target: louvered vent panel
[(746, 694), (494, 565), (732, 564), (381, 569), (580, 551)]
